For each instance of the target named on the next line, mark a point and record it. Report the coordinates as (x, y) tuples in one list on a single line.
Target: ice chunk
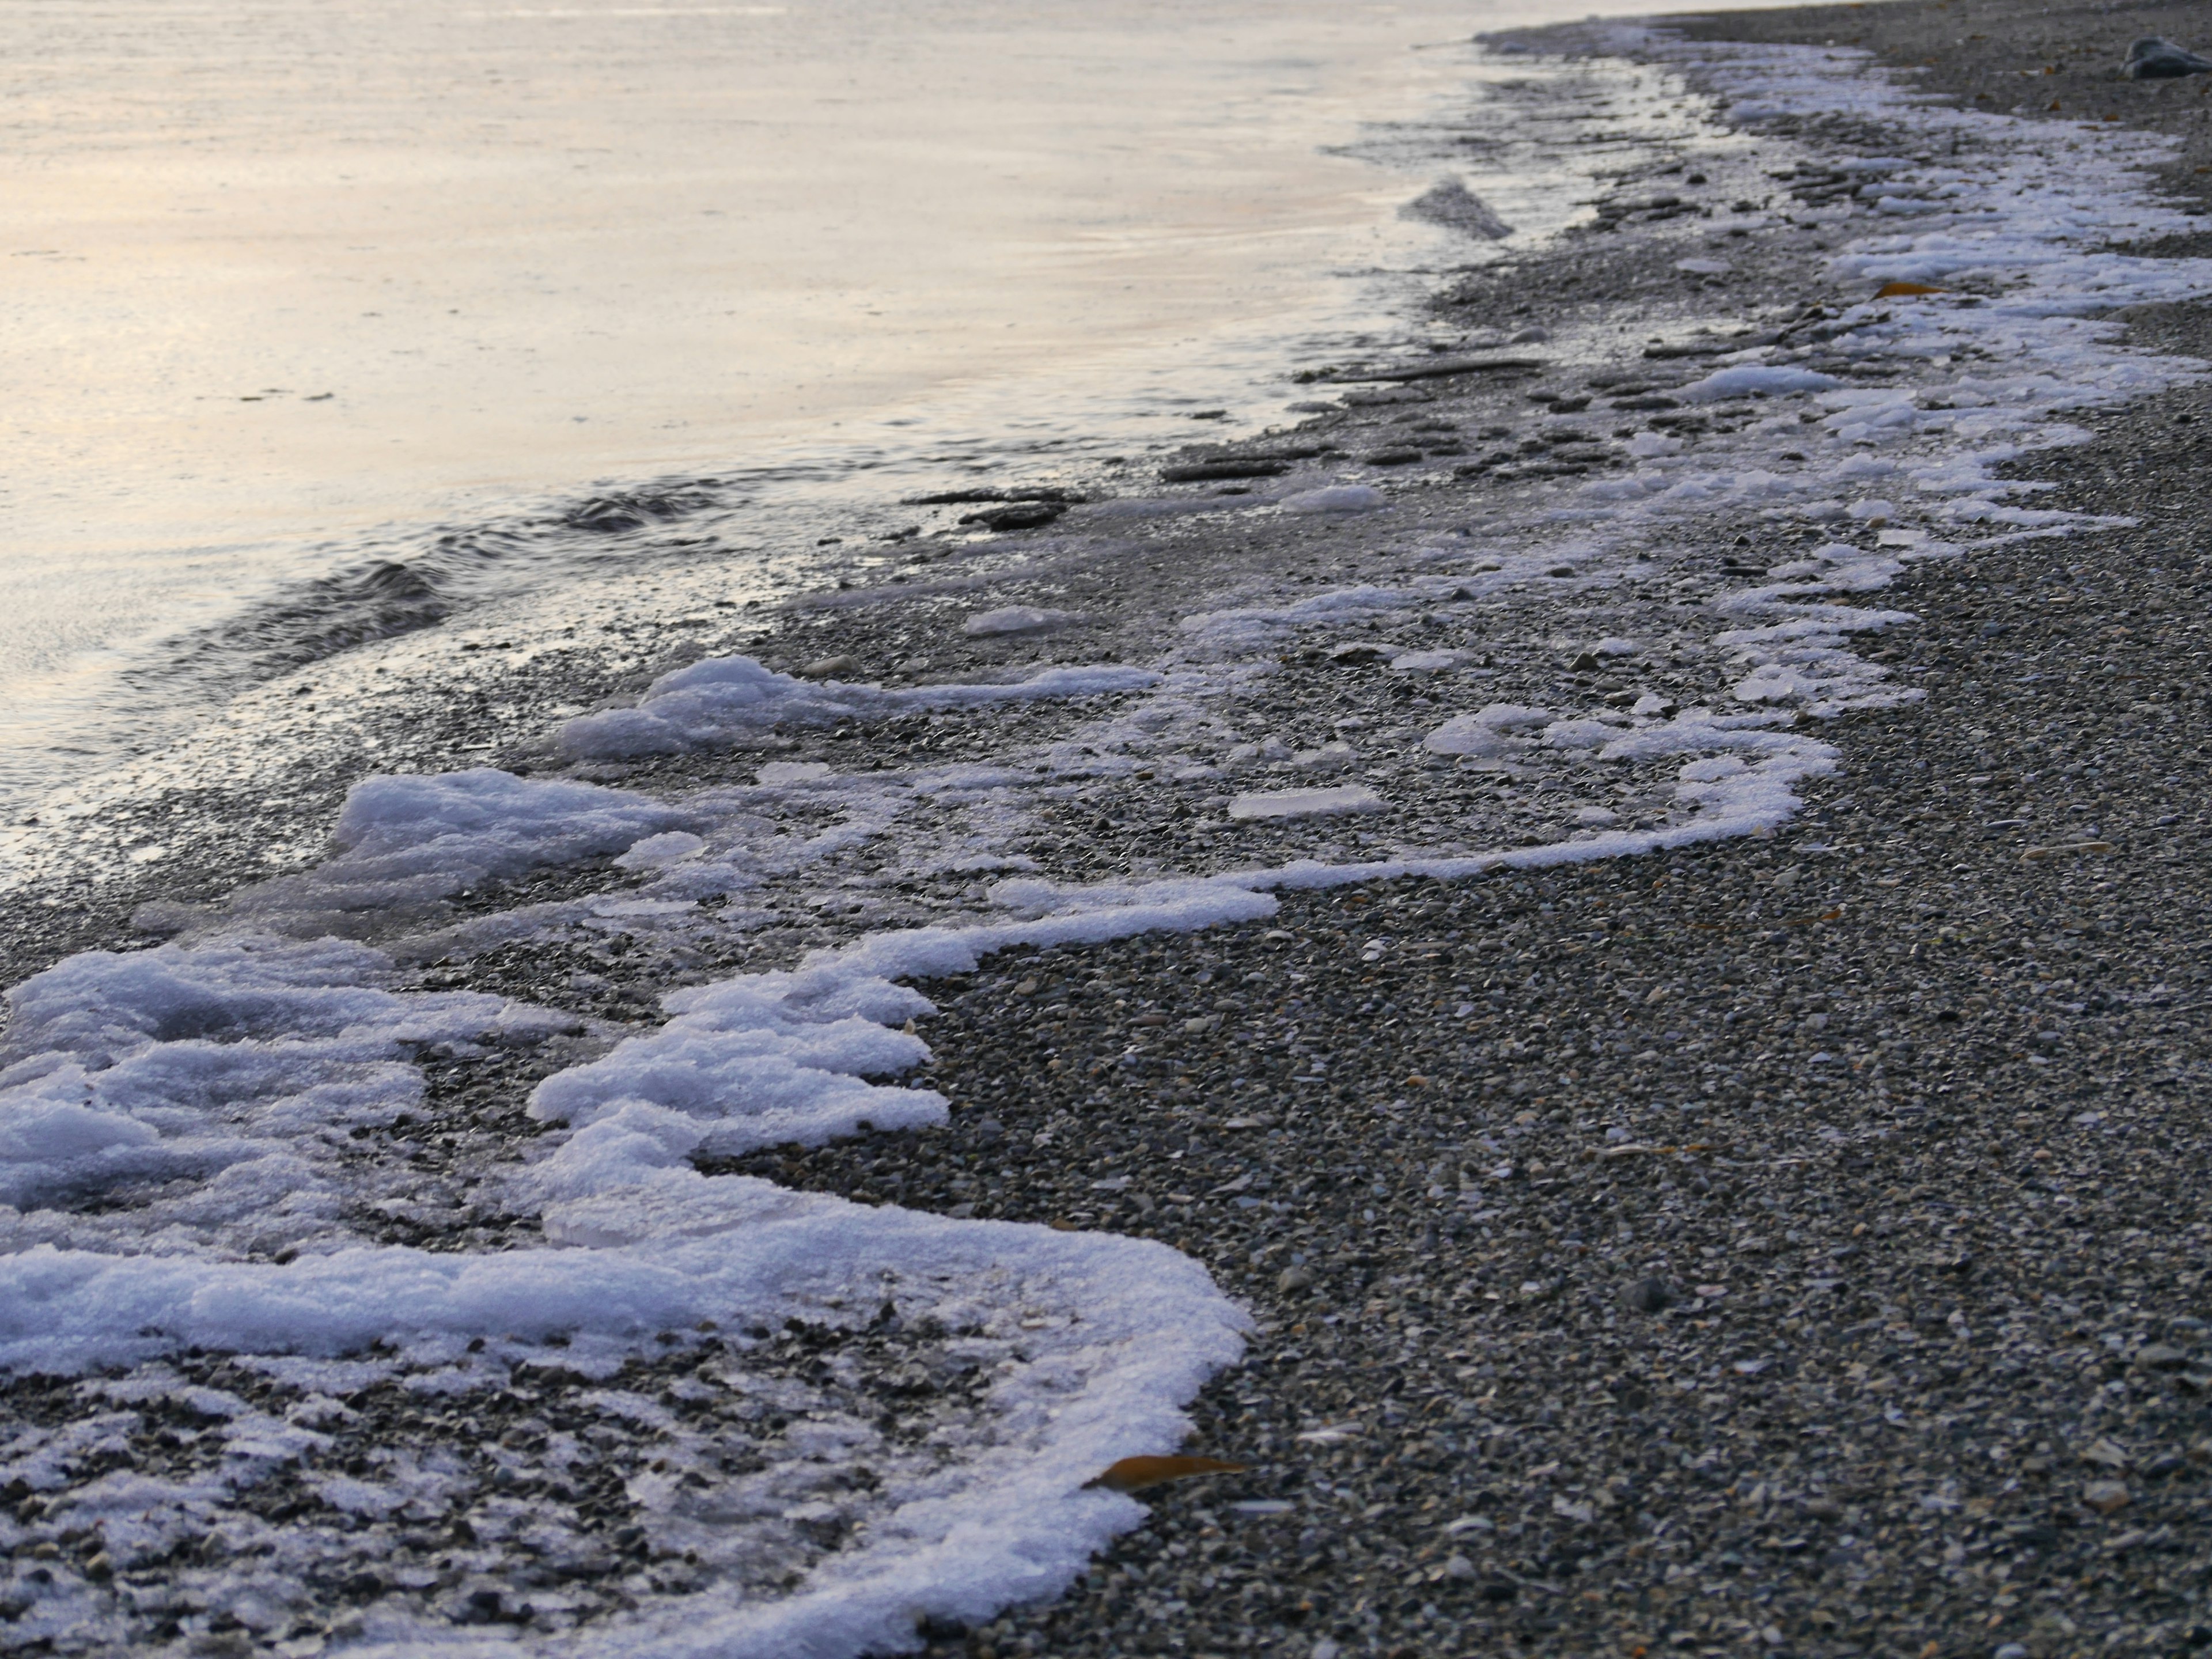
[(1015, 619), (1307, 803), (1335, 498), (1426, 662), (1486, 734), (778, 775), (658, 852)]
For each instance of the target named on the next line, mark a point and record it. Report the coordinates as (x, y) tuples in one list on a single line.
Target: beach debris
[(1270, 804), (2037, 855), (1906, 290), (1704, 267), (2154, 57), (1015, 619), (1331, 1434), (1450, 203), (1135, 1474)]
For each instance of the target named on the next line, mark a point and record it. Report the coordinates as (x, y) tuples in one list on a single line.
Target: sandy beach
[(1588, 957)]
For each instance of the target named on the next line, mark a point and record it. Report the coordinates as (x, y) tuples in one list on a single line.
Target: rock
[(2156, 58), (1450, 203), (1292, 1279), (2105, 1454), (1358, 651), (1651, 1296), (1249, 467), (1268, 804), (1704, 267), (1023, 515), (1015, 619), (2106, 1496), (830, 667), (2160, 1356), (1459, 1567)]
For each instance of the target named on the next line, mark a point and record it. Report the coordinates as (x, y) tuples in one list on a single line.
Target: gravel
[(1796, 1244)]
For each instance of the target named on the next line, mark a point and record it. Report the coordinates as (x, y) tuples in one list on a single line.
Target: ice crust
[(177, 1162)]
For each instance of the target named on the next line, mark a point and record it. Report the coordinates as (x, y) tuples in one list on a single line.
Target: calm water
[(302, 292)]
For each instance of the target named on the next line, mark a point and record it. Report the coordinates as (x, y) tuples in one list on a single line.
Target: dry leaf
[(1135, 1474), (1905, 290)]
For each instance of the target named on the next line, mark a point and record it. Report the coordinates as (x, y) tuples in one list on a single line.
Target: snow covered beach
[(1309, 870)]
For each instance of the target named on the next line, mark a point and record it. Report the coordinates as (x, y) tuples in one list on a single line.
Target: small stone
[(830, 667), (2010, 1650), (1651, 1296), (1459, 1567), (2158, 1357), (2105, 1454), (1292, 1279), (2106, 1496)]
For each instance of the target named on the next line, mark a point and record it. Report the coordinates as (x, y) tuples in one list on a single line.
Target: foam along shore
[(369, 1156)]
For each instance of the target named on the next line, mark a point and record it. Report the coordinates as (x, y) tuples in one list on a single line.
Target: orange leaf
[(1134, 1474), (1905, 290)]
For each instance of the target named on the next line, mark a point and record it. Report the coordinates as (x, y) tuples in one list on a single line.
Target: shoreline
[(1785, 1237)]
